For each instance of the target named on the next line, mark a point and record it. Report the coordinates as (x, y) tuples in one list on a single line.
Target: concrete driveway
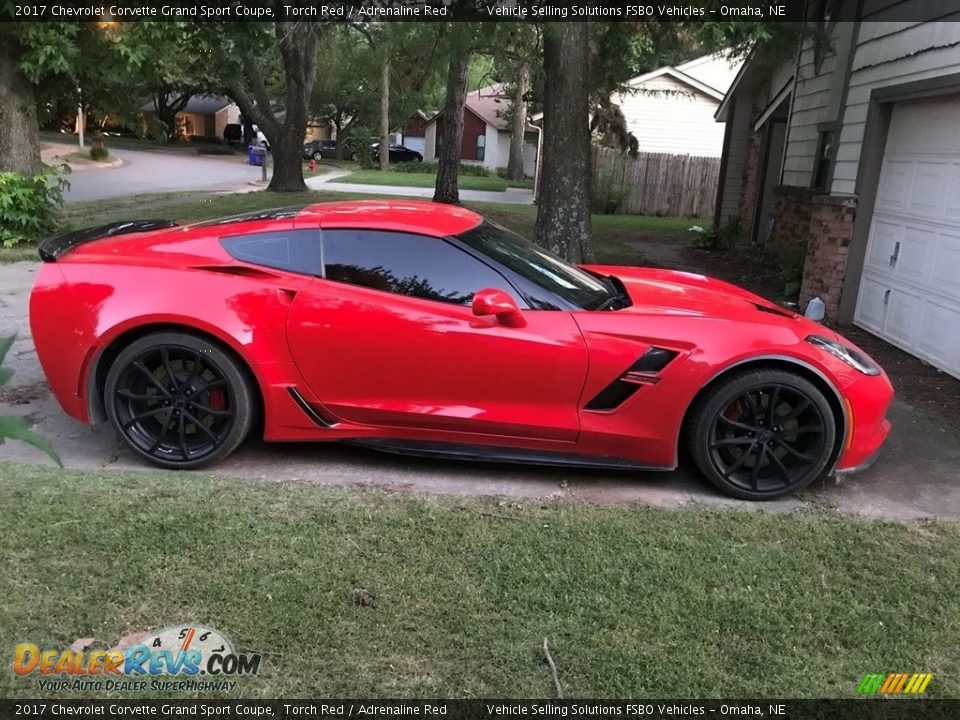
[(154, 172), (916, 477)]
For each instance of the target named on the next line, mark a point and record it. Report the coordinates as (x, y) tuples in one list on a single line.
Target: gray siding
[(815, 103), (889, 53), (736, 155)]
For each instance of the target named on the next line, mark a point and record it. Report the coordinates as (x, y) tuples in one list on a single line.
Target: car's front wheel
[(317, 155), (762, 434), (178, 400)]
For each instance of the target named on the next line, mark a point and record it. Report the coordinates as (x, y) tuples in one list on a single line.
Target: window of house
[(823, 159), (406, 264), (291, 250), (481, 146)]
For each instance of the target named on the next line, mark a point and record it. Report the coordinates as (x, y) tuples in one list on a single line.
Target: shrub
[(16, 428), (99, 153), (359, 138), (609, 191), (722, 239), (29, 205), (426, 168)]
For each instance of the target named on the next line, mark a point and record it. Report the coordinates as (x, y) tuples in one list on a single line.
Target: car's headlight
[(851, 357)]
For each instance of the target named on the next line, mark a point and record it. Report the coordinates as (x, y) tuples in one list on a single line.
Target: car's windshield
[(542, 268)]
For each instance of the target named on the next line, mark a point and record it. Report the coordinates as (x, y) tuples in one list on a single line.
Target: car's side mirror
[(491, 301)]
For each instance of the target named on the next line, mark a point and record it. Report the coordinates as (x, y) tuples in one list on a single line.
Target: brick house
[(486, 131), (847, 156)]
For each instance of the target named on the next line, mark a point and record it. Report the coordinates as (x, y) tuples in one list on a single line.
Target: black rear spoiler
[(57, 246)]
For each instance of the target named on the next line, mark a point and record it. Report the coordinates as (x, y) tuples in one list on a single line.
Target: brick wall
[(791, 211), (831, 225)]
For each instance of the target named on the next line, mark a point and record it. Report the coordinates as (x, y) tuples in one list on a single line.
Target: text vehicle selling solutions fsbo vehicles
[(422, 328)]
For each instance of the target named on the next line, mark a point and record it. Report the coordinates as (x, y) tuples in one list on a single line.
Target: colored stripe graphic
[(894, 683)]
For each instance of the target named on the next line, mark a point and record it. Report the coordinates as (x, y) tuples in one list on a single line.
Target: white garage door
[(910, 289)]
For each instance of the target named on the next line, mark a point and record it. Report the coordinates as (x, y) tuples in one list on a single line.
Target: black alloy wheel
[(178, 400), (763, 434)]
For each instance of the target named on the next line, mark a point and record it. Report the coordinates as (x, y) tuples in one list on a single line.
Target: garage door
[(910, 289)]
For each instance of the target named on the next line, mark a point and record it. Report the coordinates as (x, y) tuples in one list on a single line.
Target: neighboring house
[(671, 110), (203, 115), (486, 131), (413, 134), (848, 155)]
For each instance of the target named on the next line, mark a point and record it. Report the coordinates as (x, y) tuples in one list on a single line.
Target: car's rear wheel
[(762, 434), (178, 400)]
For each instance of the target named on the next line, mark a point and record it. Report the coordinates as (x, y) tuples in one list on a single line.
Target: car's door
[(388, 337)]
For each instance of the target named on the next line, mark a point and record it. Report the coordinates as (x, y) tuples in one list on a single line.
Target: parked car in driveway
[(423, 328), (398, 153), (325, 150)]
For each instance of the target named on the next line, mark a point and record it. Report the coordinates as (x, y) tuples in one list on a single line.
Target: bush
[(100, 153), (426, 168), (15, 428), (359, 138), (722, 239), (29, 205), (609, 191)]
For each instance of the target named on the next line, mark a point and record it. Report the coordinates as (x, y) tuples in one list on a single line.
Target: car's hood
[(671, 291)]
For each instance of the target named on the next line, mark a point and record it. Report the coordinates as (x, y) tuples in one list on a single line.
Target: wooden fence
[(654, 183)]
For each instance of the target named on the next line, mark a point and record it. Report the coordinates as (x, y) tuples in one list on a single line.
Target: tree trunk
[(247, 127), (563, 215), (286, 154), (518, 123), (447, 189), (384, 152), (19, 131)]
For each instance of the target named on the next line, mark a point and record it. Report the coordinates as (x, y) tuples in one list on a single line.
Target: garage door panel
[(894, 183), (915, 251), (871, 306), (914, 300), (945, 274), (928, 189), (939, 340), (903, 311), (884, 236), (952, 209)]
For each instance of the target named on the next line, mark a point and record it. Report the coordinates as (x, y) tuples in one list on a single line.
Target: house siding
[(667, 116), (737, 151), (889, 53)]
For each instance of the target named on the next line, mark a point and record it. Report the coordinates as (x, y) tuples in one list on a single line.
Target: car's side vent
[(308, 410), (643, 372)]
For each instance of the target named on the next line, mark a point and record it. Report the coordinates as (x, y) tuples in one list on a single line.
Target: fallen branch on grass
[(553, 670)]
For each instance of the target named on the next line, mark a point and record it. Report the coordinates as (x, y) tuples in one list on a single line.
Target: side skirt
[(488, 453)]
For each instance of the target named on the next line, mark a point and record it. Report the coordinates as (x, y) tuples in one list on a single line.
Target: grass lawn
[(613, 234), (635, 601), (405, 179)]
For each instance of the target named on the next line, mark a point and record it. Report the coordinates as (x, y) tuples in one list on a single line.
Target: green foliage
[(430, 168), (15, 428), (790, 273), (609, 191), (99, 153), (359, 138), (29, 205), (724, 238)]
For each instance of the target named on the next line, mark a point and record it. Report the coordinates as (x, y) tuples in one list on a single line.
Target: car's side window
[(295, 251), (407, 264)]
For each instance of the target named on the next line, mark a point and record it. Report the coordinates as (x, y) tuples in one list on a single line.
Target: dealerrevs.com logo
[(187, 658)]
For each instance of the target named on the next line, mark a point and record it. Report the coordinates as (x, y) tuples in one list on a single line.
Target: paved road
[(916, 477), (152, 172), (512, 196)]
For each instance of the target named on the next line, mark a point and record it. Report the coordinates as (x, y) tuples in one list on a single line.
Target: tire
[(762, 434), (317, 155), (179, 401)]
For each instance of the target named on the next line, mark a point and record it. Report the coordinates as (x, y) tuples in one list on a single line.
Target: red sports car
[(422, 328)]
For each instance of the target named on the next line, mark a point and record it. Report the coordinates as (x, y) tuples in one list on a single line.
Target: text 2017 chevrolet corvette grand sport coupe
[(422, 328)]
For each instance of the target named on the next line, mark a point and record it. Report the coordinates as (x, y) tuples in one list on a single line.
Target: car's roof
[(419, 216)]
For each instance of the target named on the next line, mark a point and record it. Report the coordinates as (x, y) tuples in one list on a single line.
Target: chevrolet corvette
[(425, 329)]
